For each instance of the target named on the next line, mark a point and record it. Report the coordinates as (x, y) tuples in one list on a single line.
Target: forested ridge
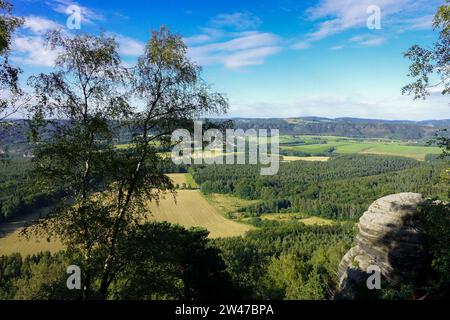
[(16, 137), (340, 188), (18, 192), (347, 127)]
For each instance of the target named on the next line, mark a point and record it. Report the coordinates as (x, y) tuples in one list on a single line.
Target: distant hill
[(437, 123), (15, 138), (14, 134), (348, 127)]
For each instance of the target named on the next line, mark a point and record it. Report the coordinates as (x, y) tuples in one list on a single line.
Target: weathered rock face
[(388, 238)]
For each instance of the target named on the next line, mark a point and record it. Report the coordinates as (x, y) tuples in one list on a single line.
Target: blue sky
[(272, 58)]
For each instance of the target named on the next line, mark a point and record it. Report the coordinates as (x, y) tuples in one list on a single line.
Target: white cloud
[(389, 108), (40, 25), (235, 48), (338, 47), (336, 16), (197, 39), (368, 40), (249, 57), (418, 23), (342, 15), (88, 15), (238, 20), (32, 50), (243, 49), (207, 35), (30, 46), (301, 45), (244, 40), (128, 46)]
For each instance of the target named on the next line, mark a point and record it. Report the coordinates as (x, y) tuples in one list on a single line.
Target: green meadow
[(342, 145)]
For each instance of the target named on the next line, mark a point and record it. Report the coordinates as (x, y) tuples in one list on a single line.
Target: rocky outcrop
[(388, 238)]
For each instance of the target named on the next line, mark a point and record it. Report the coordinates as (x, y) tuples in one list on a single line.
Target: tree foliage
[(430, 67), (13, 96), (341, 188), (107, 189), (435, 225), (287, 260), (165, 262)]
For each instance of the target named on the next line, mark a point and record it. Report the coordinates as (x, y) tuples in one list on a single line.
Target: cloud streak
[(342, 15), (32, 50), (240, 47), (237, 20), (333, 17), (39, 25), (244, 49), (368, 40), (128, 46)]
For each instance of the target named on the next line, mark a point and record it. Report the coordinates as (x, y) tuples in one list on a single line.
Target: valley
[(187, 151), (310, 207)]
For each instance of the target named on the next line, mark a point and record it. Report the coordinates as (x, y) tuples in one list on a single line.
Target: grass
[(123, 146), (191, 209), (228, 204), (14, 242), (317, 221), (382, 147), (190, 180), (177, 178), (307, 220), (415, 152), (180, 178), (294, 158), (283, 216), (11, 241)]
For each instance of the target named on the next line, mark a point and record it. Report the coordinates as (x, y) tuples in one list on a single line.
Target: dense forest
[(348, 127), (341, 188), (18, 193), (283, 261), (280, 260)]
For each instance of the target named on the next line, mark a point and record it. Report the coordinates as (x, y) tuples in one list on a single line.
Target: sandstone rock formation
[(388, 238)]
